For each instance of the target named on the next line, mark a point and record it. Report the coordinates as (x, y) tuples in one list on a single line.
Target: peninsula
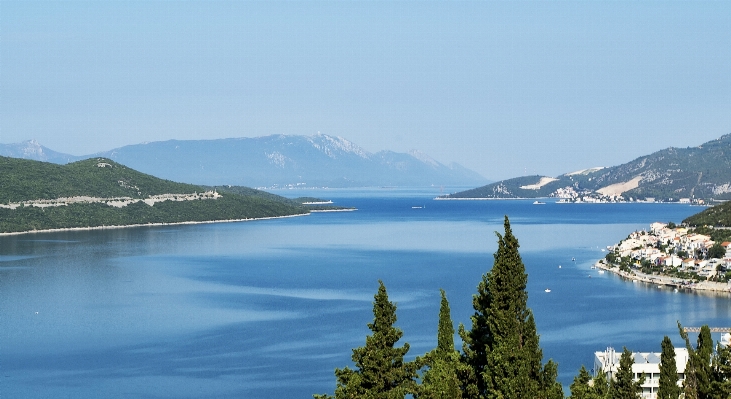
[(100, 193), (674, 256)]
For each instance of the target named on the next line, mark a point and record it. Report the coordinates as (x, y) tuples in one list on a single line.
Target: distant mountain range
[(271, 161), (692, 173)]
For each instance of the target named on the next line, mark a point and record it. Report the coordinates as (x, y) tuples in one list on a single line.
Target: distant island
[(100, 193), (697, 175)]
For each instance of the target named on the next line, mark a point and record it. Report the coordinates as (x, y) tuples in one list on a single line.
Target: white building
[(646, 363)]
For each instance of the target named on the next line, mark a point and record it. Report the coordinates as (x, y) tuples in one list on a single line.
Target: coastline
[(149, 225), (483, 199), (333, 210), (667, 281)]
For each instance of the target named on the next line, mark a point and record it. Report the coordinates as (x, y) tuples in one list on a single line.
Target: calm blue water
[(268, 309)]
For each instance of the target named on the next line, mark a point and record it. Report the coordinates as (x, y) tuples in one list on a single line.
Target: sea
[(270, 308)]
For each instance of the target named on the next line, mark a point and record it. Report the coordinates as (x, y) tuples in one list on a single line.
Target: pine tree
[(502, 347), (669, 388), (623, 386), (440, 380), (580, 388), (600, 385), (381, 372)]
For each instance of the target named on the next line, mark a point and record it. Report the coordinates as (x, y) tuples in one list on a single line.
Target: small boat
[(559, 266), (573, 259), (547, 290), (417, 207), (538, 203)]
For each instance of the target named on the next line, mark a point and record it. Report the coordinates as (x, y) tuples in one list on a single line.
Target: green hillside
[(718, 216), (24, 182)]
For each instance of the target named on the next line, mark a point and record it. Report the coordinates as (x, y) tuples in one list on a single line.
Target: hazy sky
[(504, 88)]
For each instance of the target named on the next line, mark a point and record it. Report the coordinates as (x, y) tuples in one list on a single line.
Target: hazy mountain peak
[(332, 145), (424, 158), (32, 149)]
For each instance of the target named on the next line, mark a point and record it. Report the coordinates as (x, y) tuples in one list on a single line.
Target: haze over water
[(268, 309)]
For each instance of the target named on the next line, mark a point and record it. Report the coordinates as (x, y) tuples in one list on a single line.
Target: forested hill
[(719, 216), (25, 180), (702, 172), (100, 192)]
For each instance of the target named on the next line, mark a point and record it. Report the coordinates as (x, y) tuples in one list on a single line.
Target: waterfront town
[(674, 256), (666, 256)]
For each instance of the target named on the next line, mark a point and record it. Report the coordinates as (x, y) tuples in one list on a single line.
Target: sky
[(504, 88)]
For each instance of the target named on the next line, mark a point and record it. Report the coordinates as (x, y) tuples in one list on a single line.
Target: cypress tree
[(502, 347), (669, 388), (704, 350), (445, 331), (690, 384), (381, 372), (623, 386), (440, 380)]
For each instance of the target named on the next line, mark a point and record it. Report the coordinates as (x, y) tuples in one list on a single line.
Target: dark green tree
[(690, 383), (445, 329), (623, 385), (704, 350), (440, 380), (581, 387), (716, 251), (721, 377), (600, 385), (697, 382), (380, 370), (669, 388), (502, 347)]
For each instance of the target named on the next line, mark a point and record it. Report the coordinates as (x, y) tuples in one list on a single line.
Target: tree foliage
[(441, 378), (623, 385), (502, 347), (721, 373), (583, 387), (380, 370), (697, 382), (668, 388)]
